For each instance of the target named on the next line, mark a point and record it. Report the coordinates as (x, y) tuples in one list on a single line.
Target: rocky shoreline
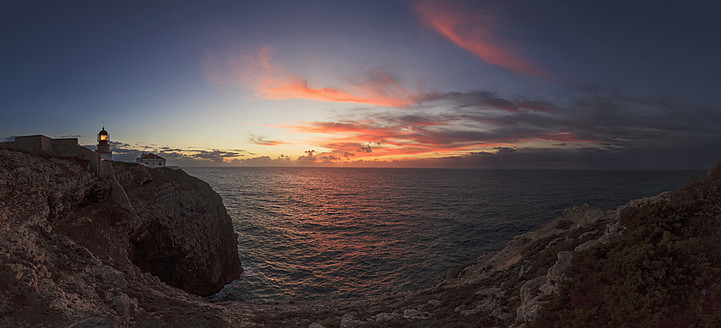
[(77, 252), (501, 289)]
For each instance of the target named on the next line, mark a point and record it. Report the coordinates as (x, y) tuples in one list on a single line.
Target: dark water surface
[(308, 233)]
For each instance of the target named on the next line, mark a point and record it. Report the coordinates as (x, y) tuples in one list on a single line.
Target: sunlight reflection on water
[(307, 233)]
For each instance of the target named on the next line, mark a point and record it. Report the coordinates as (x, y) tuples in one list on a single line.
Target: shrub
[(663, 271)]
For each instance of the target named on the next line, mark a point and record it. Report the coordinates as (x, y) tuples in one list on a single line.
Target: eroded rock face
[(186, 237), (68, 249)]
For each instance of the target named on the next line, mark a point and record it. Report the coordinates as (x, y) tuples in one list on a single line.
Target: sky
[(458, 84)]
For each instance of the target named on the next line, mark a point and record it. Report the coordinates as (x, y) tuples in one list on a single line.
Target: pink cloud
[(474, 33), (273, 81)]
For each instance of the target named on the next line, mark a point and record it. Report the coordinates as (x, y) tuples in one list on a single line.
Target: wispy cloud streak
[(273, 81), (474, 32), (261, 140)]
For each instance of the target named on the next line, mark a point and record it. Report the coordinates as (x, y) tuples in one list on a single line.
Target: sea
[(326, 233)]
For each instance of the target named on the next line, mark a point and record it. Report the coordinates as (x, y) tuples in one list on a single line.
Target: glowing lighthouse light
[(104, 145)]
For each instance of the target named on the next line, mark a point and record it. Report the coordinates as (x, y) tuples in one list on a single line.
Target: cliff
[(183, 234), (78, 246)]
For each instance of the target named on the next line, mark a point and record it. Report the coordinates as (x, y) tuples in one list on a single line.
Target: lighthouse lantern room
[(104, 145)]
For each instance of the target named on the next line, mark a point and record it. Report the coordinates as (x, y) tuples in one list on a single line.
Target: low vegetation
[(663, 271)]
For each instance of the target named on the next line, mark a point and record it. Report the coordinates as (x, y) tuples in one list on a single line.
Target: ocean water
[(311, 233)]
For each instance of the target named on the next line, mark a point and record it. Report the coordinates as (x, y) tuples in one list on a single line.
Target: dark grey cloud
[(475, 99), (588, 126), (191, 156)]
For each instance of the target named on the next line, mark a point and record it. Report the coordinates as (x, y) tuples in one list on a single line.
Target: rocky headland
[(78, 250), (122, 245)]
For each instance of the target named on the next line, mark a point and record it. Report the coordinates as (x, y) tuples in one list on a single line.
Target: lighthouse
[(104, 145)]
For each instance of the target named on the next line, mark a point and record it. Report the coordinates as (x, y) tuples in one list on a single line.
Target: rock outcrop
[(78, 247), (183, 234)]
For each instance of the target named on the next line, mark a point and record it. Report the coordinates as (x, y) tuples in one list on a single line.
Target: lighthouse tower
[(104, 145)]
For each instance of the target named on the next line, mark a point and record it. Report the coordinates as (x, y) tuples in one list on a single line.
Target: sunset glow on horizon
[(423, 83)]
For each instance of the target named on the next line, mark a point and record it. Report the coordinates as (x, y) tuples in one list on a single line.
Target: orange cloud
[(473, 32), (273, 81), (378, 141)]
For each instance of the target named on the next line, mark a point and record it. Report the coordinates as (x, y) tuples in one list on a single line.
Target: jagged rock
[(531, 301), (528, 311), (123, 303), (349, 321), (554, 242), (111, 276), (502, 315), (488, 291), (590, 216), (384, 317), (587, 245), (555, 272), (316, 325), (587, 234), (413, 314), (607, 237), (529, 289), (525, 269), (433, 302), (613, 229)]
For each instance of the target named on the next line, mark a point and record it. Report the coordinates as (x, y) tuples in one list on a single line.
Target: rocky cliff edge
[(115, 248)]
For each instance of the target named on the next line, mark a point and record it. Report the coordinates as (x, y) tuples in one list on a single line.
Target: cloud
[(479, 100), (475, 32), (584, 121), (218, 156), (273, 81), (261, 140), (267, 161), (176, 156)]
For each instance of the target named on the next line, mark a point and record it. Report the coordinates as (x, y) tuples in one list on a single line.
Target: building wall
[(153, 162), (36, 142), (66, 147)]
